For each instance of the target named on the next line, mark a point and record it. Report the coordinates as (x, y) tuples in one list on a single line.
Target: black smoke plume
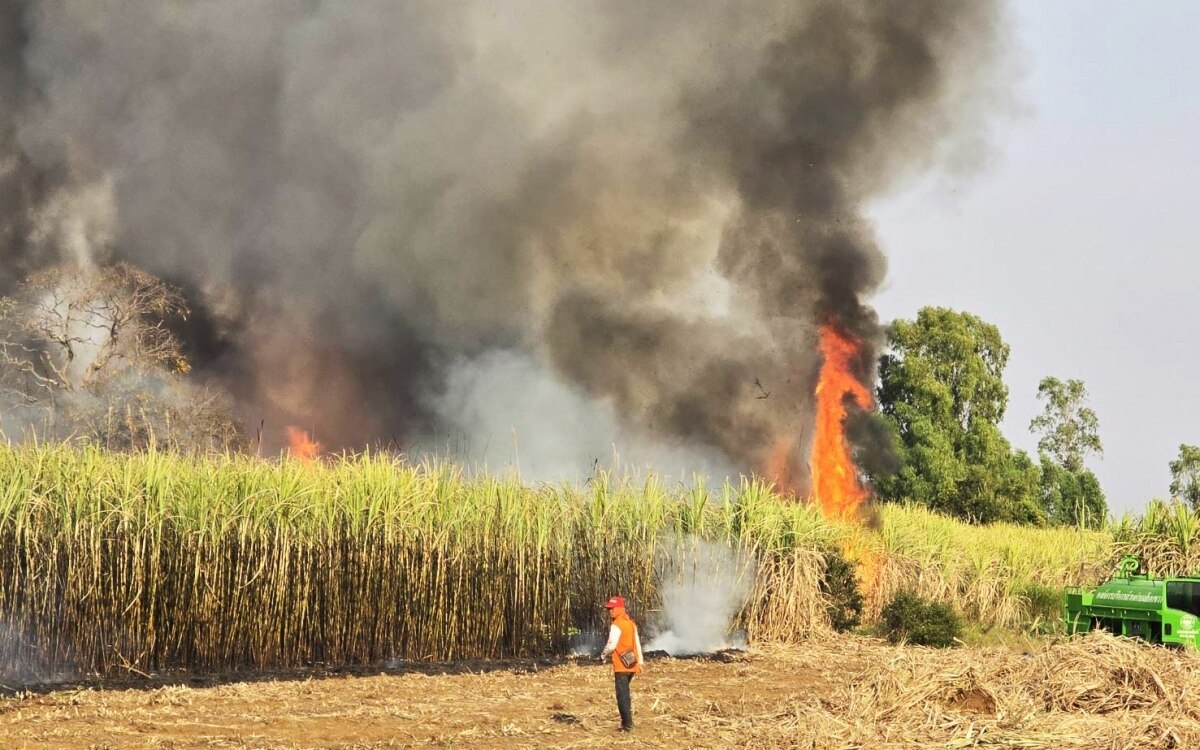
[(593, 221)]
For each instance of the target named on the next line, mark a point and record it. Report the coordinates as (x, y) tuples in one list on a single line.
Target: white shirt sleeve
[(614, 635)]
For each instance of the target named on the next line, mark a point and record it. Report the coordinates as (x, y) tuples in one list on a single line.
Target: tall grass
[(153, 560), (1166, 537), (994, 574), (149, 561)]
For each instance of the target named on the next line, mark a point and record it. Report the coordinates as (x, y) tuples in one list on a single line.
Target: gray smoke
[(369, 204), (524, 430), (19, 663), (703, 586)]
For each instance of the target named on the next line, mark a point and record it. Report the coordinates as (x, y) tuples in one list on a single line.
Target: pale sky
[(1078, 238)]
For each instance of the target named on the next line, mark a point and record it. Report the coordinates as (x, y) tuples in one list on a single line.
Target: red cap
[(614, 602)]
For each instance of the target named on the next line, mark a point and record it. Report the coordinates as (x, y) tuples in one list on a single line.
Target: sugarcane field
[(475, 375), (166, 601)]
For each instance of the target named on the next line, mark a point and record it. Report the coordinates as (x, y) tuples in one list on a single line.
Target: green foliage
[(1043, 606), (1010, 640), (908, 618), (1069, 429), (1185, 475), (1068, 492), (942, 391), (839, 584), (1072, 498)]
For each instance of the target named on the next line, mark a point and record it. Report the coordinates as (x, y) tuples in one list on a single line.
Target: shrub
[(908, 617), (839, 585)]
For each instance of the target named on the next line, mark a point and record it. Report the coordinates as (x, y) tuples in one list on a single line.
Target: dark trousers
[(624, 704)]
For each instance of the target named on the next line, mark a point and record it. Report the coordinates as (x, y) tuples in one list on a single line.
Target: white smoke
[(506, 409), (589, 643), (703, 586)]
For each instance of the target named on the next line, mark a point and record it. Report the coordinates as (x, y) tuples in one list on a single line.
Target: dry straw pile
[(1092, 692)]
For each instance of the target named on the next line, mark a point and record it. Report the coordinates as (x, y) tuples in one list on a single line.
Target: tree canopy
[(942, 391), (1069, 430), (942, 395), (1185, 475), (1071, 497)]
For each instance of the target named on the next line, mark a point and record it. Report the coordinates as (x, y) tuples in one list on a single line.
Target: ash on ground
[(669, 644)]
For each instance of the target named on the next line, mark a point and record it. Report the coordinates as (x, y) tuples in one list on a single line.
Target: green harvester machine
[(1158, 610)]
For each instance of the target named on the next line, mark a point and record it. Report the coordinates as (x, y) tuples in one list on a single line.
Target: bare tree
[(93, 348)]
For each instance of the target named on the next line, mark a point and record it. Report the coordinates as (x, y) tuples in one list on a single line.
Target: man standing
[(626, 649)]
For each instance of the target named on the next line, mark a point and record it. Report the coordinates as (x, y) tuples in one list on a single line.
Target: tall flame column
[(835, 482)]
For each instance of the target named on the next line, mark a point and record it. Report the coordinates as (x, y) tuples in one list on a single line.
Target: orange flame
[(301, 445), (836, 487)]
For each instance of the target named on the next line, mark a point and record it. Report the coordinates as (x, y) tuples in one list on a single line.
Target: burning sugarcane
[(301, 444), (836, 485)]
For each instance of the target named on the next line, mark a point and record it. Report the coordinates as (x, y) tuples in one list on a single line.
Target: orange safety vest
[(625, 643)]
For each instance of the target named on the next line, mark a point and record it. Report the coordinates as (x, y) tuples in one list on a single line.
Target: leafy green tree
[(1071, 497), (1069, 429), (1185, 475), (942, 391)]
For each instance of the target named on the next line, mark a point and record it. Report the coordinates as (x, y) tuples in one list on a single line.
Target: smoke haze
[(596, 223), (703, 586)]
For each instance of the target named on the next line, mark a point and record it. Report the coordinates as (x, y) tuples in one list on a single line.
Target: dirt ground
[(827, 694)]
